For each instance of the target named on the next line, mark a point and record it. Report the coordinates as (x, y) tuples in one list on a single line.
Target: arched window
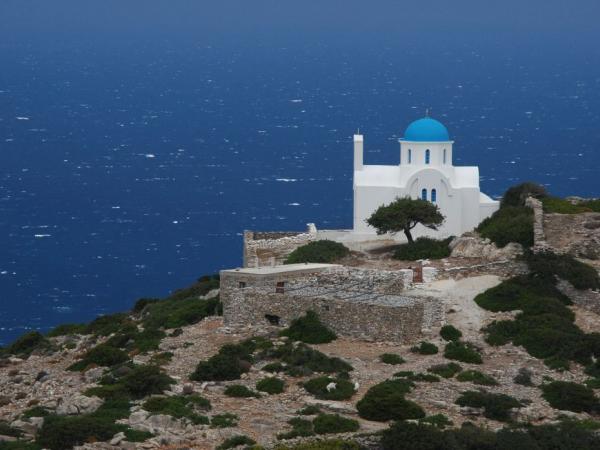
[(409, 155), (427, 156), (424, 194), (444, 156), (433, 195)]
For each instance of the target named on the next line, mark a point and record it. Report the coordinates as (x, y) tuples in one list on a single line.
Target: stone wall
[(361, 303), (539, 237), (272, 248)]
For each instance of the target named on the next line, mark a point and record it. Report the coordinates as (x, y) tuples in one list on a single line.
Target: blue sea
[(130, 164)]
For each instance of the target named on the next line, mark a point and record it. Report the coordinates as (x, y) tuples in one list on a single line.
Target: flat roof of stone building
[(286, 268)]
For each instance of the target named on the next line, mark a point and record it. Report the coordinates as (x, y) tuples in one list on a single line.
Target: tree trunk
[(408, 235)]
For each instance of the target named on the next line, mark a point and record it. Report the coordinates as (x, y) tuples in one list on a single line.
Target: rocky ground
[(43, 380)]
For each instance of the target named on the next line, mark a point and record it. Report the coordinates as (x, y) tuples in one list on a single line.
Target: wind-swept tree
[(403, 214)]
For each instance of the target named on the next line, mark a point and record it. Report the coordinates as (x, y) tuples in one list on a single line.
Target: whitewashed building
[(425, 171)]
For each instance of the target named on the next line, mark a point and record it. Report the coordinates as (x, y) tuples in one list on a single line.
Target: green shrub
[(385, 401), (445, 370), (300, 427), (146, 380), (516, 195), (68, 329), (449, 333), (323, 251), (19, 445), (425, 348), (271, 385), (561, 206), (309, 329), (303, 360), (142, 303), (28, 343), (474, 376), (462, 351), (569, 396), (179, 407), (423, 248), (36, 411), (593, 369), (108, 324), (274, 367), (437, 420), (509, 224), (318, 387), (496, 406), (548, 265), (423, 377), (334, 423), (229, 363), (309, 410), (391, 358), (103, 355), (63, 432), (241, 391), (225, 420), (324, 445), (176, 312), (524, 377), (236, 441), (201, 287)]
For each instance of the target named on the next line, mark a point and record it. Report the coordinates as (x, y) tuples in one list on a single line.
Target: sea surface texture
[(130, 164)]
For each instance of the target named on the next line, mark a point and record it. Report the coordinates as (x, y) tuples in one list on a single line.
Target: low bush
[(19, 445), (300, 428), (270, 385), (302, 360), (385, 401), (335, 444), (425, 348), (437, 420), (108, 324), (391, 358), (569, 396), (430, 378), (516, 195), (550, 266), (7, 430), (68, 329), (179, 406), (103, 355), (226, 420), (146, 380), (236, 441), (462, 351), (524, 377), (422, 436), (450, 333), (239, 390), (309, 329), (201, 287), (334, 423), (509, 224), (229, 363), (343, 390), (476, 377), (178, 312), (496, 406), (561, 206), (28, 343), (423, 248), (309, 410), (323, 251), (445, 370), (36, 411), (274, 367)]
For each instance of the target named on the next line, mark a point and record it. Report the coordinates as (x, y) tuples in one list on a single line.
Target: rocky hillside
[(516, 365)]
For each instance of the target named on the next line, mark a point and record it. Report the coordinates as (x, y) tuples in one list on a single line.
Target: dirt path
[(461, 310)]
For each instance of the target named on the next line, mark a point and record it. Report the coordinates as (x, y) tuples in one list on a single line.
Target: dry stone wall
[(272, 248), (361, 303)]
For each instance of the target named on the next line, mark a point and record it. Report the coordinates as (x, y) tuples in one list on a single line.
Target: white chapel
[(425, 171)]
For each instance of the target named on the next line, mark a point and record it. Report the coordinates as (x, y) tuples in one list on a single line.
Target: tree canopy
[(403, 214)]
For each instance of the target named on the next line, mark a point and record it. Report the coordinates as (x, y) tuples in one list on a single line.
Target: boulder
[(471, 245), (78, 404)]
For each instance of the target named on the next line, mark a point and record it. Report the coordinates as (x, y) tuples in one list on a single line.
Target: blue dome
[(426, 130)]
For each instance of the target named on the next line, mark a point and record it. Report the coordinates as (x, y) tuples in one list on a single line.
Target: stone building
[(360, 303)]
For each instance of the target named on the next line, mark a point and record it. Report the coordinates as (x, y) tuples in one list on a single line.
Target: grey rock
[(78, 404)]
